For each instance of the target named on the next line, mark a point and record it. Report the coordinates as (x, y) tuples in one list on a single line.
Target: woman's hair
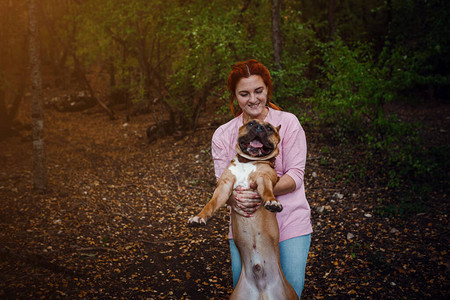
[(246, 69)]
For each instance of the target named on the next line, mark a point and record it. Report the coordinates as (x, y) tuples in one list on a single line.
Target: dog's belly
[(261, 275), (241, 171)]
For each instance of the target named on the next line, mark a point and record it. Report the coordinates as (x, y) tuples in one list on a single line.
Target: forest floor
[(113, 223)]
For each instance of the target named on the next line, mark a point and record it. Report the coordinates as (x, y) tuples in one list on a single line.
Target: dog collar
[(270, 161)]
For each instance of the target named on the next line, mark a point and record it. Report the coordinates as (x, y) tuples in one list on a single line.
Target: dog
[(256, 237)]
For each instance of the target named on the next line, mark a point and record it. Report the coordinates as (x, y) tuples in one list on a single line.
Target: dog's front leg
[(265, 190), (218, 200)]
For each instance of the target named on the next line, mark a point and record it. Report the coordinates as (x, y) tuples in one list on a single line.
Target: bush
[(295, 82), (353, 92)]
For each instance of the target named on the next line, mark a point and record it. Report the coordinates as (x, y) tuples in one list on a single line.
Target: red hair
[(246, 69)]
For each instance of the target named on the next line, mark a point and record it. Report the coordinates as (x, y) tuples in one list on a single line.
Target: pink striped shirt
[(294, 220)]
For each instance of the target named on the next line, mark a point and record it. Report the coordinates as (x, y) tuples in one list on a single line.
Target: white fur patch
[(241, 171)]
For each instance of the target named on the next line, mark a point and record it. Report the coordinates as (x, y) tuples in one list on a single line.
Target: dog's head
[(258, 140)]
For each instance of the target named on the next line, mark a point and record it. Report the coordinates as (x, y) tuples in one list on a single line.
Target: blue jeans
[(293, 255)]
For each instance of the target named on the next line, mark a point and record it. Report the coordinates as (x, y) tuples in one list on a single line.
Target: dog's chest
[(241, 171)]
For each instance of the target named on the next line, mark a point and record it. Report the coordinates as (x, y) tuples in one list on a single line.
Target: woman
[(251, 85)]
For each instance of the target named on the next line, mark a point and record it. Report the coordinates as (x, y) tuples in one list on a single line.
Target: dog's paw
[(196, 221), (273, 206)]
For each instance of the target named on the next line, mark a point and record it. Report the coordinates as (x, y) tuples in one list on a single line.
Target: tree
[(331, 24), (210, 37), (276, 33), (13, 62), (7, 116), (39, 166), (128, 39)]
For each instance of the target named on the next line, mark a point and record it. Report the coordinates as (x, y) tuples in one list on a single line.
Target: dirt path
[(113, 223)]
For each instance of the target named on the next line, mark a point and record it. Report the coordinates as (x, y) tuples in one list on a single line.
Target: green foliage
[(403, 207), (294, 83), (419, 32), (351, 172), (397, 144), (353, 90), (203, 54), (412, 73), (210, 38), (339, 68), (127, 38)]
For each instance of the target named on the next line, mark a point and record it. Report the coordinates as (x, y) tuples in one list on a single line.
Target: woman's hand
[(245, 201)]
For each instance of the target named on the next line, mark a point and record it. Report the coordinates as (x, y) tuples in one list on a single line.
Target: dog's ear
[(278, 128)]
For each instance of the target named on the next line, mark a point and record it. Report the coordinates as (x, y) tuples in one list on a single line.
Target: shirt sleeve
[(219, 152), (295, 149)]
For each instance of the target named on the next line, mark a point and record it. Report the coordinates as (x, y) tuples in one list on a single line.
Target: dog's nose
[(259, 128)]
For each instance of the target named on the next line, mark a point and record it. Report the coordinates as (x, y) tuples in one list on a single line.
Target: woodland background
[(130, 93)]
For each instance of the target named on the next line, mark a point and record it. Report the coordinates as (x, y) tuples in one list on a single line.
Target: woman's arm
[(294, 157), (246, 201), (284, 186), (219, 153)]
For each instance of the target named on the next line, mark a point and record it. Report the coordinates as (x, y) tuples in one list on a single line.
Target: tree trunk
[(331, 22), (5, 127), (17, 101), (78, 67), (81, 72), (276, 33), (389, 22), (39, 166), (145, 67)]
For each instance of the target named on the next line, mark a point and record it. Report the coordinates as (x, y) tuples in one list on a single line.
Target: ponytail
[(274, 106)]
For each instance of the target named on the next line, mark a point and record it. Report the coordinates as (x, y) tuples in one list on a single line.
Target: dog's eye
[(251, 123), (269, 128)]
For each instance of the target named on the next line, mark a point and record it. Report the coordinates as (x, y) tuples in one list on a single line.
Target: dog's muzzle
[(256, 143)]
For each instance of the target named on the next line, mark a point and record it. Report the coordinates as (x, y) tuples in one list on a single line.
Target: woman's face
[(251, 95)]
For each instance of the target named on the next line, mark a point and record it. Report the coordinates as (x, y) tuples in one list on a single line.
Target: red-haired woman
[(250, 85)]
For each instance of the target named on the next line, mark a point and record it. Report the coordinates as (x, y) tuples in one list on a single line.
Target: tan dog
[(256, 237)]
